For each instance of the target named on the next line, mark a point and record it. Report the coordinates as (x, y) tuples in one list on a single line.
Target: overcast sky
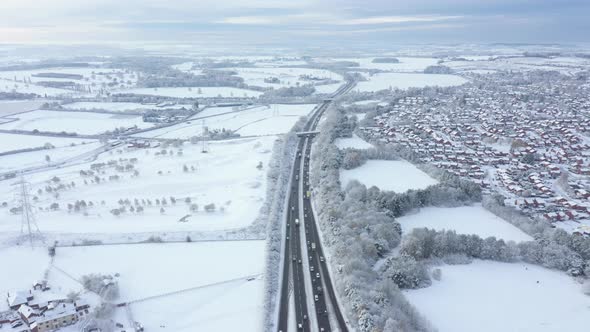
[(300, 22)]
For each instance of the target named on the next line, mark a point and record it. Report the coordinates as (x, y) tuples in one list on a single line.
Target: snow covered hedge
[(357, 234)]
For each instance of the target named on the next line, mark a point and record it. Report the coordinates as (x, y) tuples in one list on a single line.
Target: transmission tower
[(29, 228)]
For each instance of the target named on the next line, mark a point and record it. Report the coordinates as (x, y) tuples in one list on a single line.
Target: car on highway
[(317, 275), (321, 258), (311, 268), (300, 326), (315, 297)]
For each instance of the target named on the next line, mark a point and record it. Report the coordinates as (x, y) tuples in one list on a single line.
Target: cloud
[(395, 19), (255, 20), (331, 19)]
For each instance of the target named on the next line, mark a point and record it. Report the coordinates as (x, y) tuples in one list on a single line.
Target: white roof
[(17, 297), (60, 310)]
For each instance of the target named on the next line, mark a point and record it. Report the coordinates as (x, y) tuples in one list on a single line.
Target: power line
[(204, 134)]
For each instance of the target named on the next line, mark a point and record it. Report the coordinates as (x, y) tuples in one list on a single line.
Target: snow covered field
[(90, 79), (353, 142), (9, 107), (12, 142), (118, 107), (10, 86), (252, 121), (405, 65), (565, 65), (383, 81), (464, 220), (226, 301), (287, 76), (73, 122), (490, 296), (395, 175), (206, 92), (226, 176), (23, 160)]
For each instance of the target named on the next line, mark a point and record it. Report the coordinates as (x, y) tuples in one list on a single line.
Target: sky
[(294, 22)]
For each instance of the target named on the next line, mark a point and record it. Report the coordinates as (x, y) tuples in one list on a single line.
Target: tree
[(194, 207), (47, 159), (436, 274), (210, 207), (54, 206), (162, 211)]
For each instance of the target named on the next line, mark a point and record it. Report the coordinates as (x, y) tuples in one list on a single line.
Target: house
[(27, 314), (55, 317), (17, 298)]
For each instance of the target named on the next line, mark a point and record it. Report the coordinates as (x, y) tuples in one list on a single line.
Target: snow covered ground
[(73, 122), (395, 175), (12, 142), (383, 81), (226, 176), (22, 266), (252, 121), (490, 296), (193, 92), (353, 142), (464, 220), (327, 88), (226, 301)]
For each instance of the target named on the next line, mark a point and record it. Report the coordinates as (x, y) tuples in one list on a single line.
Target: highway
[(311, 270)]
